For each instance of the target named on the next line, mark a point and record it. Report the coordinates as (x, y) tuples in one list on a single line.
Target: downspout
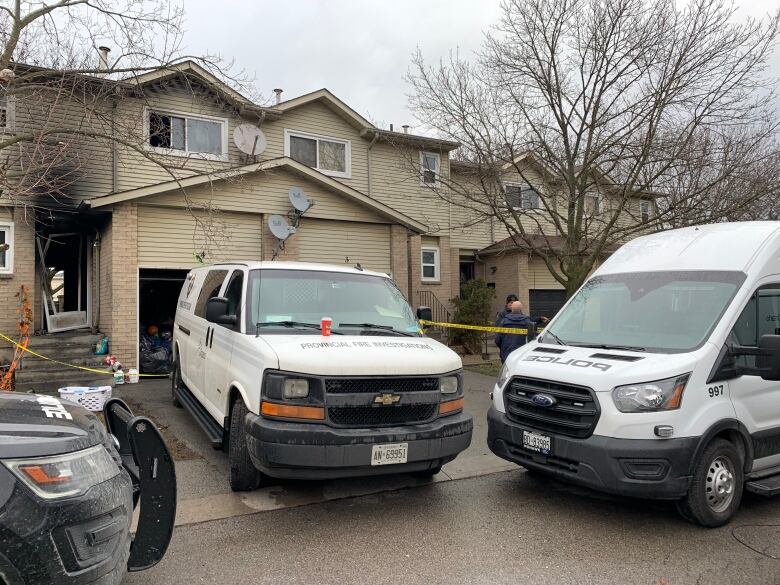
[(96, 255), (370, 146), (114, 154)]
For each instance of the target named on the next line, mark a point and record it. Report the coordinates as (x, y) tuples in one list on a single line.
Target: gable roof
[(326, 97), (276, 163)]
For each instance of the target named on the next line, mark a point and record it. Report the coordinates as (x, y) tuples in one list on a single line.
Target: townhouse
[(164, 181)]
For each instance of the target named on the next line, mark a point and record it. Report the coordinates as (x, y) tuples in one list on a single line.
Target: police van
[(660, 376), (313, 371)]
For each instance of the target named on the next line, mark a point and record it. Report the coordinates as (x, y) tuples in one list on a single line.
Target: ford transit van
[(659, 377), (256, 368)]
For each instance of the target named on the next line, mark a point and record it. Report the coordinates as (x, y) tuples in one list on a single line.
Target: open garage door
[(158, 293), (345, 242)]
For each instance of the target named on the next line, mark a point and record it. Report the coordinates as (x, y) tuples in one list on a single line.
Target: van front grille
[(379, 416), (574, 411), (380, 385)]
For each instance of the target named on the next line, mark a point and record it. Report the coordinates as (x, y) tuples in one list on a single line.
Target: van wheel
[(243, 475), (176, 382), (716, 487)]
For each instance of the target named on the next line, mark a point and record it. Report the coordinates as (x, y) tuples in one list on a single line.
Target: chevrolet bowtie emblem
[(386, 399)]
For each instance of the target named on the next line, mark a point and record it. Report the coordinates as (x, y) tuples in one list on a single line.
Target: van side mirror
[(768, 360), (217, 312), (424, 314)]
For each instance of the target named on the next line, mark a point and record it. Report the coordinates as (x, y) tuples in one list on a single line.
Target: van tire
[(719, 468), (176, 381), (243, 475)]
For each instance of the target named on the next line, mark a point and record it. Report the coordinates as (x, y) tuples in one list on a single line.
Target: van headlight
[(651, 396), (64, 476), (448, 384), (295, 388)]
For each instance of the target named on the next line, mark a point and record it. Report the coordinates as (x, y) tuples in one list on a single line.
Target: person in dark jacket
[(509, 342), (506, 310)]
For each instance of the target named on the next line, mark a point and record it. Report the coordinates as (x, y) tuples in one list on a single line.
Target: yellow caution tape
[(510, 330), (84, 368)]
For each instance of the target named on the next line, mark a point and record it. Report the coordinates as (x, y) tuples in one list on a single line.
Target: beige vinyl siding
[(344, 242), (135, 169), (317, 118), (266, 192), (6, 214), (168, 236), (84, 165), (539, 276)]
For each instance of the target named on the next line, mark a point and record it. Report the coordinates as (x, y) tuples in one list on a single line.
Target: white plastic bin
[(90, 397)]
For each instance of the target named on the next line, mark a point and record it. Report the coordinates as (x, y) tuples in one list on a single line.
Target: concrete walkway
[(201, 471)]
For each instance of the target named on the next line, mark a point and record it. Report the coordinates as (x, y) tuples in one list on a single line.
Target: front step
[(766, 486), (213, 431)]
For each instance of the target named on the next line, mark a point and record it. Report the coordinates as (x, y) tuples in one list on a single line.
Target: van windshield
[(295, 301), (665, 312)]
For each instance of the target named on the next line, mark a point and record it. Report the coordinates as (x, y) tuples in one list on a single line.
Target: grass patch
[(487, 369)]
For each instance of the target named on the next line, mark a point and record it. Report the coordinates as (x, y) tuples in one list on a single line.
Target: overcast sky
[(359, 49)]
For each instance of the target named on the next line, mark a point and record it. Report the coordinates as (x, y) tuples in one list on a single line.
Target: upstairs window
[(429, 168), (522, 197), (330, 156), (6, 248), (7, 104), (644, 210), (186, 134)]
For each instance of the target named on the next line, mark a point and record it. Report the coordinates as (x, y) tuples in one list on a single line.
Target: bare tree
[(67, 125), (607, 101)]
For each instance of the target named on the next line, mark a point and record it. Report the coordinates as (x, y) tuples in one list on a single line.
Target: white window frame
[(437, 156), (10, 114), (436, 264), (185, 153), (8, 227), (598, 203), (649, 204), (521, 186), (347, 174)]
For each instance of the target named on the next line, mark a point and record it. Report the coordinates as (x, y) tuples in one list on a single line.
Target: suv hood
[(599, 369), (34, 425), (361, 355)]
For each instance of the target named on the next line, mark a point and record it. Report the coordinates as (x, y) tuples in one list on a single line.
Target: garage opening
[(546, 302), (158, 294)]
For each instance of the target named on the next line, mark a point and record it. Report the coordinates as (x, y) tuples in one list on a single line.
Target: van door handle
[(184, 330)]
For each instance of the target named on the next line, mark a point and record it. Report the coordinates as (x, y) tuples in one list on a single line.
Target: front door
[(757, 401), (64, 263)]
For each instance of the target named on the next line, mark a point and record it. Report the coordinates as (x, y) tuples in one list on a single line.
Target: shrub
[(473, 308)]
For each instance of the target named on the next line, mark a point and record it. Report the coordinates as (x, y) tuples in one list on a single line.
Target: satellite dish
[(279, 227), (249, 139), (299, 199)]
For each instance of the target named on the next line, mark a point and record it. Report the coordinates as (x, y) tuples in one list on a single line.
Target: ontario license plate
[(389, 454), (537, 442)]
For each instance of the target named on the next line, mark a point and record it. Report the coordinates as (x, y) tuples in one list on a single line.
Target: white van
[(255, 370), (659, 378)]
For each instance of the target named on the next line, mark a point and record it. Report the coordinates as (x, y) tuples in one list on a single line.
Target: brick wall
[(509, 273), (119, 264), (399, 258), (24, 274)]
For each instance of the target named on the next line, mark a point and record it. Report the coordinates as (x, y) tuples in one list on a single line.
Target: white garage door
[(170, 236), (345, 242)]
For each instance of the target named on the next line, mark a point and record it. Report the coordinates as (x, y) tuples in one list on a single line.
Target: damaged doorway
[(64, 262)]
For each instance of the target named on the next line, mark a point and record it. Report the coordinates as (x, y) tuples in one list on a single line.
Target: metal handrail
[(439, 312)]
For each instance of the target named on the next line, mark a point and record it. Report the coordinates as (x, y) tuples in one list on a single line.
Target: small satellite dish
[(249, 139), (299, 199), (279, 227)]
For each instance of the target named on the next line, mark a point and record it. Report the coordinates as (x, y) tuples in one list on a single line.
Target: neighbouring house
[(159, 186)]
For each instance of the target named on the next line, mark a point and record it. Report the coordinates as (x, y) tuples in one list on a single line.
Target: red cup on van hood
[(327, 323)]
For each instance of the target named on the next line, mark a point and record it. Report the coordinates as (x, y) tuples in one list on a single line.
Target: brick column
[(23, 274), (123, 302), (414, 243), (399, 258)]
